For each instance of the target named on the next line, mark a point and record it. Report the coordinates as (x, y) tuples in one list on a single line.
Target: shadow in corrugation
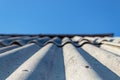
[(101, 70), (18, 42), (51, 67), (5, 49), (9, 68), (55, 40), (2, 44), (114, 53)]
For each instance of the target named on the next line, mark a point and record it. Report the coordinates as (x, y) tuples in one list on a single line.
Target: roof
[(59, 57)]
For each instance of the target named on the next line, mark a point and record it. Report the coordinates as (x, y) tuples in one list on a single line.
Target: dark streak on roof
[(59, 57), (61, 35)]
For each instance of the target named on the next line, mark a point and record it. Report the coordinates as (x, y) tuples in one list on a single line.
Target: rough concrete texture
[(35, 57)]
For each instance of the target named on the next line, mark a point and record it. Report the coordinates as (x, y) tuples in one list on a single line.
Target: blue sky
[(60, 16)]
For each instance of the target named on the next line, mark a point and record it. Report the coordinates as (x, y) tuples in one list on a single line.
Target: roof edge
[(62, 35)]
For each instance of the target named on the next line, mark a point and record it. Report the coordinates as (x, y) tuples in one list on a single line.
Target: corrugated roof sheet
[(59, 57)]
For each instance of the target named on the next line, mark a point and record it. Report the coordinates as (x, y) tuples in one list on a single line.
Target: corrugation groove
[(14, 58), (76, 66), (110, 48), (108, 59), (40, 66), (7, 48), (100, 69), (59, 57)]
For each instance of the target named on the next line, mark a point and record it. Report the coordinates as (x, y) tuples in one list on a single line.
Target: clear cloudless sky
[(60, 16)]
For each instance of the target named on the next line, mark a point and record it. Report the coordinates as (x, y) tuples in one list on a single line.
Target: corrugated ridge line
[(108, 59), (6, 42), (76, 38), (41, 65), (7, 48), (76, 66), (16, 40), (12, 59), (111, 43), (113, 49), (41, 42), (23, 41), (100, 69), (27, 71), (106, 44), (56, 40), (118, 79)]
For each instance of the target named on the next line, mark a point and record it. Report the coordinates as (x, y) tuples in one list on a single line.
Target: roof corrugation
[(46, 57)]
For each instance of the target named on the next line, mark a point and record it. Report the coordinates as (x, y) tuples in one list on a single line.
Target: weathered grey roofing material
[(59, 58), (76, 66), (11, 60)]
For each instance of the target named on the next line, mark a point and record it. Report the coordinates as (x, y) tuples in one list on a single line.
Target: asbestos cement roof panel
[(59, 57)]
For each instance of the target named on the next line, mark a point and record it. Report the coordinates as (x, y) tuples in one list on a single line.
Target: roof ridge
[(61, 35)]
